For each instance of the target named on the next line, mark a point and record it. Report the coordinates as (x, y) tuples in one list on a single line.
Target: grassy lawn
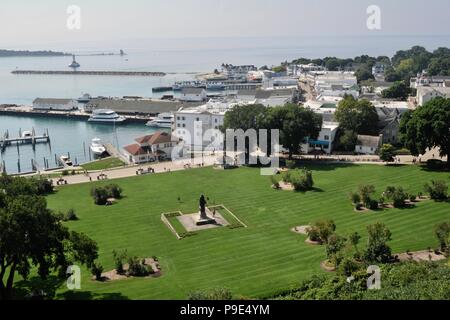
[(256, 261), (103, 164)]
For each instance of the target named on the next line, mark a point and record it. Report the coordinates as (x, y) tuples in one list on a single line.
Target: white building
[(151, 147), (325, 141), (55, 104), (199, 127), (368, 144), (425, 94), (193, 95), (336, 84), (237, 72)]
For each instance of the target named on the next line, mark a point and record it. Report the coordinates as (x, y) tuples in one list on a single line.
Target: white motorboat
[(163, 120), (97, 147), (27, 134), (106, 116), (65, 161)]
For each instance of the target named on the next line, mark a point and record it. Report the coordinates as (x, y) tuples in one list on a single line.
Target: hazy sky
[(25, 22)]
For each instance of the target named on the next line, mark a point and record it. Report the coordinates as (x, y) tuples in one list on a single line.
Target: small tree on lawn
[(97, 270), (119, 258), (100, 195), (335, 245), (365, 192), (377, 250), (438, 190), (387, 153), (442, 232), (321, 230), (399, 197), (354, 239)]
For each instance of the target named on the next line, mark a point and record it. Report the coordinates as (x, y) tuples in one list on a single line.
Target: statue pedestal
[(201, 221)]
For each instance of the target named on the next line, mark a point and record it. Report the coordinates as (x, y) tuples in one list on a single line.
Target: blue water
[(178, 56)]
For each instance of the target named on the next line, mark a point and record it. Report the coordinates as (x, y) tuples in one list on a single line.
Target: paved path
[(130, 171)]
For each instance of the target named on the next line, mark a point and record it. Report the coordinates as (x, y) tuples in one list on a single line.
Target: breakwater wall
[(91, 73)]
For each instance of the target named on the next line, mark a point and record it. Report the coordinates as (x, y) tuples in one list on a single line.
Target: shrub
[(301, 179), (65, 172), (412, 197), (114, 191), (137, 268), (442, 232), (365, 192), (359, 206), (44, 186), (119, 257), (399, 197), (437, 190), (355, 198), (373, 204), (213, 294), (70, 215), (97, 270), (435, 164), (100, 195), (348, 266), (321, 230)]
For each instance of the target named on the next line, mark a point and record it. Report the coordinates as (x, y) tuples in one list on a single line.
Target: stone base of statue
[(205, 218)]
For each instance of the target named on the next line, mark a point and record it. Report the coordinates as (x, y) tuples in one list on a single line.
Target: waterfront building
[(55, 104), (193, 95), (199, 127), (137, 106), (424, 80), (237, 72), (149, 148), (336, 84)]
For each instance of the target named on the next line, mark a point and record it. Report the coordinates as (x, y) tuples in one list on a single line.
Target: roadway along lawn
[(255, 261)]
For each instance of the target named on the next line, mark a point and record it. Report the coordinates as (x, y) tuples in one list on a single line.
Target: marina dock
[(92, 73), (6, 141)]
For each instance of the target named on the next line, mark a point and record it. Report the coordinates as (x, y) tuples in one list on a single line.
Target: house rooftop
[(52, 101), (368, 141), (156, 138)]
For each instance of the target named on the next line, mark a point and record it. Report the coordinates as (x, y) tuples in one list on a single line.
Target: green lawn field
[(256, 261), (103, 164)]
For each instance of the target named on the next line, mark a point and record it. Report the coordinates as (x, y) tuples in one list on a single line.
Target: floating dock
[(92, 73), (6, 141)]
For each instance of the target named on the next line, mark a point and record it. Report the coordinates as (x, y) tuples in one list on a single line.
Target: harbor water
[(66, 136)]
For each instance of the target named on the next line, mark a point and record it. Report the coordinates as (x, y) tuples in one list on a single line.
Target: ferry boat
[(85, 98), (97, 147), (215, 86), (178, 86), (163, 120), (106, 116)]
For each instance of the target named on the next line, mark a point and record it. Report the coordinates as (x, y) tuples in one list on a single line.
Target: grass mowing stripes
[(256, 261)]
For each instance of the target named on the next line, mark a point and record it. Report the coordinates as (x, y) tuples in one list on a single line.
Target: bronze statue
[(202, 203)]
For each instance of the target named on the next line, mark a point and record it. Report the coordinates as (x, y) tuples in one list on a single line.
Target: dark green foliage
[(301, 179), (32, 236), (442, 232), (335, 244), (212, 294), (358, 116), (97, 270), (377, 250), (102, 194), (70, 215), (387, 153), (438, 190), (321, 230), (119, 257), (427, 127), (114, 191), (137, 268), (399, 91)]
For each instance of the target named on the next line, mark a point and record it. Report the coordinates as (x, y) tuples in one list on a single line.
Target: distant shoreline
[(27, 53)]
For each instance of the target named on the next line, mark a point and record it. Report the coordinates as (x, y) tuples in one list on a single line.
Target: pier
[(6, 141), (92, 73)]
